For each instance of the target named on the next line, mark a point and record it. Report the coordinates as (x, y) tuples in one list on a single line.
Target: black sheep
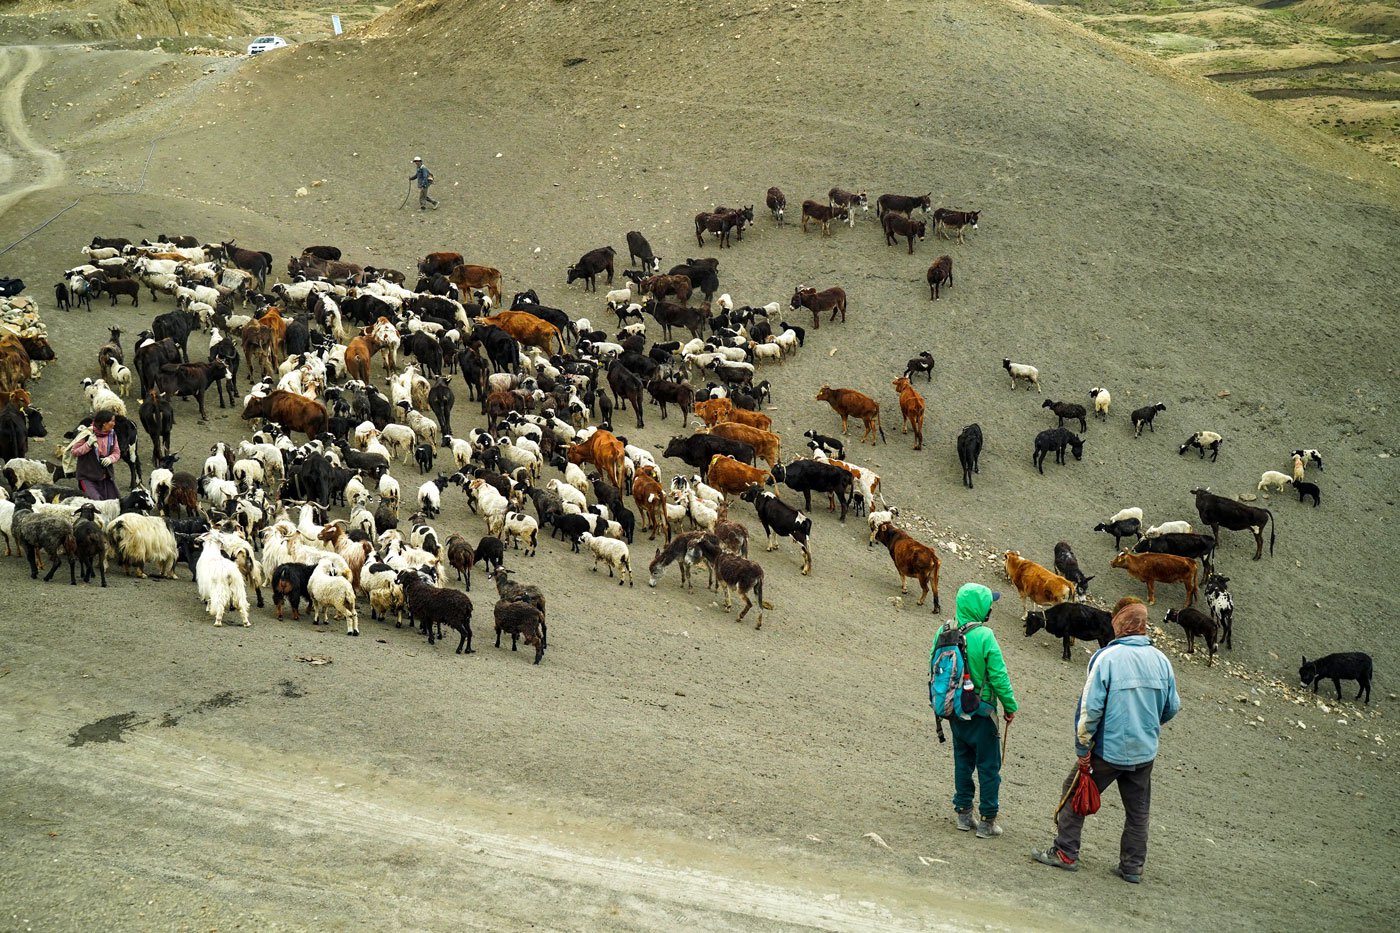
[(1068, 410), (91, 543), (1306, 489), (1056, 439), (1120, 530), (50, 532), (432, 605), (1145, 415), (1347, 665), (521, 620)]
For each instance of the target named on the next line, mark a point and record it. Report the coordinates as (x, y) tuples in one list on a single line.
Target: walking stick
[(1006, 734), (407, 196)]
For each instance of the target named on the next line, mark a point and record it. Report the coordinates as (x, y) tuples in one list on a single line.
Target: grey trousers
[(424, 199), (1135, 788)]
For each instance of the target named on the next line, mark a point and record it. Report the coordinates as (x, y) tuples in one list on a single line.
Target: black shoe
[(1127, 876)]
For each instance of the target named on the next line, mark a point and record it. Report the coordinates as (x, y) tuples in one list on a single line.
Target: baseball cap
[(418, 158), (995, 596)]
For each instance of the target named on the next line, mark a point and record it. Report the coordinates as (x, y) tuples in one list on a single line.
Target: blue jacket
[(1129, 693), (421, 176)]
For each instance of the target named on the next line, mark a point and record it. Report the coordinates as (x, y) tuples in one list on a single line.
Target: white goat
[(220, 582)]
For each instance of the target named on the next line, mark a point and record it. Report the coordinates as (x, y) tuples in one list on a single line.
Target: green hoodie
[(984, 660)]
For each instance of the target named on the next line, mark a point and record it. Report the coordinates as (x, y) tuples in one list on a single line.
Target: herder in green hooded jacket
[(975, 741)]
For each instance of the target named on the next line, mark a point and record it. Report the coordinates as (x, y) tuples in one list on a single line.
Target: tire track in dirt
[(48, 164)]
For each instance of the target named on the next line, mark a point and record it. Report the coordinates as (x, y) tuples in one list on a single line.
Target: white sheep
[(94, 253), (702, 514), (389, 489), (1273, 479), (573, 497), (1022, 371), (1102, 401), (573, 476), (423, 427), (399, 439), (101, 397), (618, 297), (7, 522), (331, 591), (788, 341), (461, 450), (768, 353), (640, 456), (1169, 528), (612, 552), (1124, 514), (487, 499), (516, 453), (23, 472), (220, 582), (516, 527)]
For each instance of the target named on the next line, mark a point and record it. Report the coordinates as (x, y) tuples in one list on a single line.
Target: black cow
[(501, 348), (1182, 544), (809, 476), (177, 326), (590, 265), (441, 400), (183, 380), (1068, 621), (698, 449), (969, 450), (1236, 516), (639, 249)]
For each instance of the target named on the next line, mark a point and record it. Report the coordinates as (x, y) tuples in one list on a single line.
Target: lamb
[(1145, 415), (248, 473), (430, 495), (1102, 401), (430, 605), (1272, 480), (357, 495), (1196, 623), (521, 620), (220, 582), (1203, 441), (119, 376), (1308, 489), (1349, 665), (1168, 528), (331, 591), (385, 593), (91, 543), (425, 455), (1222, 607), (1022, 371), (613, 552), (50, 532)]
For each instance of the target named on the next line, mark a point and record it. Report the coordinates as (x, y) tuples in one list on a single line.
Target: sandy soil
[(665, 767)]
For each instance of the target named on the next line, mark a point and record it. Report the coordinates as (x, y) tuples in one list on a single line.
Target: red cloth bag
[(1084, 796)]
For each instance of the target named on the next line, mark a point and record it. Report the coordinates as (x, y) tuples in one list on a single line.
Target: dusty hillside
[(46, 21), (1158, 236)]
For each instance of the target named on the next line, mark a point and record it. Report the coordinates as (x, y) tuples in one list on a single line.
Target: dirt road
[(26, 167)]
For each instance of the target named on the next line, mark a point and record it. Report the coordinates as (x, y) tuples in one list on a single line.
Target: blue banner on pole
[(335, 24)]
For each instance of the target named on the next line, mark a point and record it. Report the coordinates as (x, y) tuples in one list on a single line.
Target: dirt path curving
[(48, 165)]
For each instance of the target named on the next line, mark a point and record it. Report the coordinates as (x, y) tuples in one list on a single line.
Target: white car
[(266, 44)]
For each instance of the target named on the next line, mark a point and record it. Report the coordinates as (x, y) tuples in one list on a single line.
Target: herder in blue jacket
[(1129, 693)]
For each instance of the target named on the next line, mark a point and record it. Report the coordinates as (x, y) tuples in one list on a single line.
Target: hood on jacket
[(974, 603)]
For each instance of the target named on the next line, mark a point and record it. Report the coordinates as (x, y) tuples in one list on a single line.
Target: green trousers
[(976, 745)]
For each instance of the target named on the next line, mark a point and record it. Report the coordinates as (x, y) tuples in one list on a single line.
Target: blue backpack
[(951, 691)]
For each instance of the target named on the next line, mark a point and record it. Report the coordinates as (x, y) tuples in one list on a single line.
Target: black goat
[(1196, 623), (1067, 566), (923, 363), (1145, 415)]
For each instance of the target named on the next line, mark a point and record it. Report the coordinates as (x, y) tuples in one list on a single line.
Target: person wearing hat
[(1129, 693), (975, 741), (423, 178)]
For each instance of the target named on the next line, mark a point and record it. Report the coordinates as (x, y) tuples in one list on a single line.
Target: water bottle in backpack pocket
[(951, 691)]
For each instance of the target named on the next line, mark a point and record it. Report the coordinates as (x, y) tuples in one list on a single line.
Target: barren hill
[(1140, 231)]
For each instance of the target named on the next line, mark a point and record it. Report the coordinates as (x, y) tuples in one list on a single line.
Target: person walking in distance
[(1129, 693), (975, 738), (423, 178)]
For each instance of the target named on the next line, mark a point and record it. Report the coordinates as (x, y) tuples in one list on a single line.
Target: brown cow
[(731, 477), (293, 412), (15, 369), (273, 320), (1159, 568), (823, 214), (439, 263), (360, 354), (911, 406), (603, 450), (651, 501), (1035, 583), (258, 341), (661, 286), (832, 299), (911, 559), (849, 403), (527, 329), (765, 444), (467, 277), (939, 273), (897, 225), (713, 411)]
